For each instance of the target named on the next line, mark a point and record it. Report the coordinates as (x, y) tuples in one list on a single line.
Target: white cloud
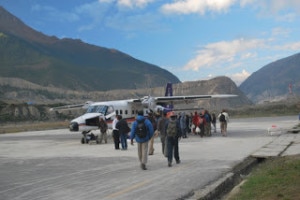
[(267, 7), (135, 3), (294, 46), (238, 78), (129, 3), (55, 14), (197, 6), (216, 53), (274, 6), (289, 17), (94, 13), (280, 32)]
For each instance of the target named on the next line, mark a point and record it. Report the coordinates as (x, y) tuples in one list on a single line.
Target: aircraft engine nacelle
[(74, 126), (160, 108), (149, 103)]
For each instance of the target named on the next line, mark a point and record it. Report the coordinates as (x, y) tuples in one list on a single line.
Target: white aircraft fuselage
[(106, 110), (129, 108)]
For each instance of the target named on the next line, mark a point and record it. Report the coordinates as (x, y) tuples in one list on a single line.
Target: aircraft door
[(109, 112)]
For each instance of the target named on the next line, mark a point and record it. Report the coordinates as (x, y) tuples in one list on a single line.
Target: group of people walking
[(168, 126), (203, 122)]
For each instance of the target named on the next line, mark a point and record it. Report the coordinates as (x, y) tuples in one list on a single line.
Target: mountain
[(70, 64), (274, 81), (18, 91), (21, 100)]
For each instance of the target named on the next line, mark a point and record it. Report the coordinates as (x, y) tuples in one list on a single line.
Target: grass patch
[(275, 179), (32, 126)]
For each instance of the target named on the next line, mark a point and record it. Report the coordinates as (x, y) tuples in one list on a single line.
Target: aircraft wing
[(188, 98), (151, 102), (74, 106)]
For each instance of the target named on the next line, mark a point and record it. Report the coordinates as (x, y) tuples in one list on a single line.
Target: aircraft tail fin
[(169, 93), (169, 90)]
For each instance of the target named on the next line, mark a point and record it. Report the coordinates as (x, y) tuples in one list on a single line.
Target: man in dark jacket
[(161, 127), (123, 128), (142, 142)]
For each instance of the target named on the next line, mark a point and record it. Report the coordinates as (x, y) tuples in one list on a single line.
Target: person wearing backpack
[(173, 135), (142, 131), (223, 119), (103, 130)]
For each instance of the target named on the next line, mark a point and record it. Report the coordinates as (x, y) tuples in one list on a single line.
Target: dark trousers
[(202, 130), (173, 147), (116, 137), (123, 137)]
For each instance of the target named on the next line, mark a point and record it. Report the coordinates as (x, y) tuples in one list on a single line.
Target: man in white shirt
[(116, 134)]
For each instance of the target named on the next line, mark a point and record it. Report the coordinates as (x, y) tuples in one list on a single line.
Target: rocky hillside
[(276, 81), (70, 64), (23, 100)]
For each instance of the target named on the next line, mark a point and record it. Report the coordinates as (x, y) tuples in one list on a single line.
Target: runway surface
[(55, 165)]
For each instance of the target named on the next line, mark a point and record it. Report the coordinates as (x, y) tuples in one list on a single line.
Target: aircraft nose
[(73, 126)]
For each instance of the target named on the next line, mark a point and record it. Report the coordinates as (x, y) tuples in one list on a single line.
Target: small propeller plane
[(128, 108)]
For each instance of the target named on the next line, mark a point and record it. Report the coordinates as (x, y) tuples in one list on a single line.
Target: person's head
[(140, 112), (119, 117), (173, 115)]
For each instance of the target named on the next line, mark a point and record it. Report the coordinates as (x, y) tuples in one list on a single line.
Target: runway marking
[(127, 189)]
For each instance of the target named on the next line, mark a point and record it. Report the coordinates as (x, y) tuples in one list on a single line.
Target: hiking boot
[(143, 166)]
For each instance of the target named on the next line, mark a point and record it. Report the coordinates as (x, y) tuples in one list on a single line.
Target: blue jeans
[(123, 137)]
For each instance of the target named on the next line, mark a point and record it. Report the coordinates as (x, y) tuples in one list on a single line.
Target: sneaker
[(177, 161), (169, 164)]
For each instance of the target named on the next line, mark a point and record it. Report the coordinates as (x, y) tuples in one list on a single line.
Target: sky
[(193, 39)]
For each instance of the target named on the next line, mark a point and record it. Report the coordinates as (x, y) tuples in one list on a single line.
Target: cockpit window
[(97, 109), (110, 110)]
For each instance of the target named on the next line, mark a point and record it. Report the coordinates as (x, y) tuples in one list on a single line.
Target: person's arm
[(132, 132), (149, 127), (179, 133)]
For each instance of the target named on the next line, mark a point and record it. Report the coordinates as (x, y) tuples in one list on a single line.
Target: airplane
[(128, 109)]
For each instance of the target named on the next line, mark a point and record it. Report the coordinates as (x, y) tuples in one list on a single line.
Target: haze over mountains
[(275, 81)]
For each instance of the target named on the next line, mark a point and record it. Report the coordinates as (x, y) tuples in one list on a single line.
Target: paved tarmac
[(55, 165)]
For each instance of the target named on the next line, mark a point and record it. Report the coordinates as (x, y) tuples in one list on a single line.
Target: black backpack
[(222, 118), (141, 129)]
